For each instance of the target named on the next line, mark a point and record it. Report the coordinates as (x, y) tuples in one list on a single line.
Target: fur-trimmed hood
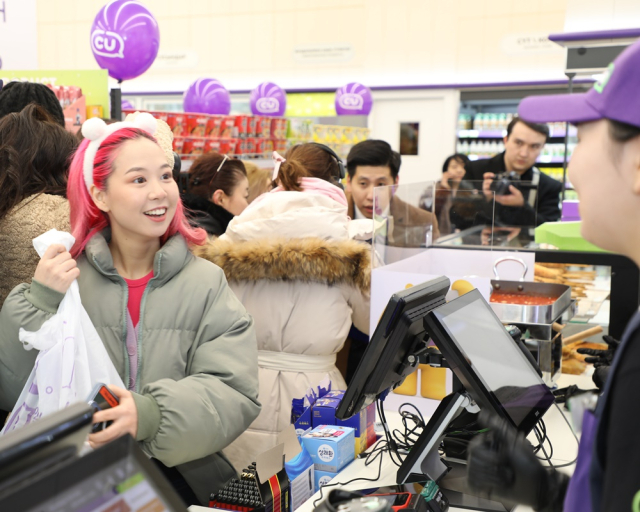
[(299, 259)]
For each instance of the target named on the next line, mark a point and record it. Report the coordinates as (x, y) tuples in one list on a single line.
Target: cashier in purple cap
[(605, 171)]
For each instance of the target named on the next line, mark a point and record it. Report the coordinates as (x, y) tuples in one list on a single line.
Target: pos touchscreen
[(492, 368)]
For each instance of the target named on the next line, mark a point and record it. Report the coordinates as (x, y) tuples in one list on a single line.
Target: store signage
[(176, 59), (535, 43), (323, 52), (93, 82), (18, 34)]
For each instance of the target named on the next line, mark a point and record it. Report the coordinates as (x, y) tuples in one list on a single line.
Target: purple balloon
[(353, 99), (127, 105), (207, 96), (268, 100), (125, 39)]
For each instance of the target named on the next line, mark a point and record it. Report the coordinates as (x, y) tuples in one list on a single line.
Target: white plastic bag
[(72, 358)]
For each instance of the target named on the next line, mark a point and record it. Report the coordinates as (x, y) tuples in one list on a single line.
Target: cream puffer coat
[(291, 263)]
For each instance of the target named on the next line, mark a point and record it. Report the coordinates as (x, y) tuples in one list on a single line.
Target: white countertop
[(565, 450)]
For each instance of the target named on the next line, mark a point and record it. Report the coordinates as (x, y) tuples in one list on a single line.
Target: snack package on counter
[(301, 407), (196, 124), (263, 486), (193, 146), (322, 478), (299, 467), (330, 447), (227, 127), (214, 124), (323, 412)]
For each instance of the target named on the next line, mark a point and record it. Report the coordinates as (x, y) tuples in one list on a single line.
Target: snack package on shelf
[(193, 147), (211, 145), (241, 126), (227, 127), (196, 124), (178, 145), (279, 127), (214, 124), (227, 146)]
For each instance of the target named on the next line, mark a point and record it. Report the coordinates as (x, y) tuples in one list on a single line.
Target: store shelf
[(499, 134), (541, 160)]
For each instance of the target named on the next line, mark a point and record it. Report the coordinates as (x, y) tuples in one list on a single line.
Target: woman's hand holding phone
[(124, 417)]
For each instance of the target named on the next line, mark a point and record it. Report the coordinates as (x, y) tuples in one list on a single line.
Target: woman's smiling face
[(141, 196)]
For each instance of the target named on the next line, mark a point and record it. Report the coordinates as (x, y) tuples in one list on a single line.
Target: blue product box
[(323, 478), (324, 413), (331, 448), (303, 423)]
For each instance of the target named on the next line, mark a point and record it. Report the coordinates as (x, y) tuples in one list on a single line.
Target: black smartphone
[(102, 398)]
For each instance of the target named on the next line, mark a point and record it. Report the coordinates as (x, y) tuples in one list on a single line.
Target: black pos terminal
[(490, 372)]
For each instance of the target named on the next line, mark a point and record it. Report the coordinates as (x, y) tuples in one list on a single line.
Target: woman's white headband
[(96, 130)]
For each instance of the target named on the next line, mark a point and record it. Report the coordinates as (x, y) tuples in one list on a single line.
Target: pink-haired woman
[(181, 341)]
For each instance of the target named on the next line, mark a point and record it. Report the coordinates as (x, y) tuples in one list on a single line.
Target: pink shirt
[(136, 291)]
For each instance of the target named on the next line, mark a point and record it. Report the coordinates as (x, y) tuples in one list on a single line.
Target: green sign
[(93, 82), (317, 104)]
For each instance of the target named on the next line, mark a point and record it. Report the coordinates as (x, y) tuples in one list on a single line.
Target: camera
[(501, 183)]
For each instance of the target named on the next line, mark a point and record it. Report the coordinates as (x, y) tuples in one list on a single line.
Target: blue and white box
[(323, 478), (331, 448)]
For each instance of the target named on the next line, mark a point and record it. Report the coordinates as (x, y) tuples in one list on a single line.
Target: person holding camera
[(524, 196)]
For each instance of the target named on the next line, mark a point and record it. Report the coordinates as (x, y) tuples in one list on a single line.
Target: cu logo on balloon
[(351, 101), (267, 105), (107, 44)]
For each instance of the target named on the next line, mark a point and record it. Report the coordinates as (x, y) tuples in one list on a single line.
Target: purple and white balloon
[(207, 96), (353, 99), (125, 39), (268, 99)]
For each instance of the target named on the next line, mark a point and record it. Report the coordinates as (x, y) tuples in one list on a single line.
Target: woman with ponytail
[(181, 341), (290, 260)]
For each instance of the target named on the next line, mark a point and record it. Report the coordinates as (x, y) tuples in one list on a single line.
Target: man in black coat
[(521, 205)]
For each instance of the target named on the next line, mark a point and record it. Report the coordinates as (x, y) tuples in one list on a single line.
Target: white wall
[(435, 110), (244, 42), (587, 15)]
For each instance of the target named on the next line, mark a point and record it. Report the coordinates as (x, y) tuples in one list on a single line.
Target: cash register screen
[(122, 486), (494, 357)]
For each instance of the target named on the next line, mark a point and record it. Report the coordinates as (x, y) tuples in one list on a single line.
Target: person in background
[(14, 96), (521, 205), (370, 164), (217, 192), (446, 190), (605, 171), (260, 180), (289, 259), (35, 153), (178, 337)]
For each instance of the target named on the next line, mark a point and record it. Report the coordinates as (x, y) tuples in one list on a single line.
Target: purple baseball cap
[(616, 96)]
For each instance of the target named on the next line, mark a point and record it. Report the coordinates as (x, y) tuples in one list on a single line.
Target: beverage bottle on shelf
[(473, 147), (478, 122), (464, 147), (508, 119), (502, 121)]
